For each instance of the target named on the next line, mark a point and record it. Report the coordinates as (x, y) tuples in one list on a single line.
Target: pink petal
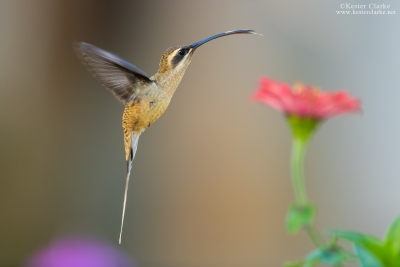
[(304, 101)]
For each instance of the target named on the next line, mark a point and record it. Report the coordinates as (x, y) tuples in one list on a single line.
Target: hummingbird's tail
[(134, 144)]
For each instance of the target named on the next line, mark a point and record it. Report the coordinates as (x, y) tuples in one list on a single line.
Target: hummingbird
[(145, 98)]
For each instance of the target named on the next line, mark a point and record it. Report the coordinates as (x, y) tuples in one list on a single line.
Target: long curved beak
[(205, 40)]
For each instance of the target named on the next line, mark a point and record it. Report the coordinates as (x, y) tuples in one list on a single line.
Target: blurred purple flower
[(79, 252)]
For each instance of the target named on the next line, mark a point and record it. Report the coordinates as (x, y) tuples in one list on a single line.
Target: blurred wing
[(123, 79)]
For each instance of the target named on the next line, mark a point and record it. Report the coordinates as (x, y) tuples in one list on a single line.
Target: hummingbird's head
[(177, 59)]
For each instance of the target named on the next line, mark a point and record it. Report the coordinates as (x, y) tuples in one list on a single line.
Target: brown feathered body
[(143, 111)]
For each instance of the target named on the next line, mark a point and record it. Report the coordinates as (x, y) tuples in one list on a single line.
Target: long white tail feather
[(135, 140)]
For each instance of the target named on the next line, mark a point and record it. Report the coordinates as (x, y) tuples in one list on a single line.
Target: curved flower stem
[(297, 161)]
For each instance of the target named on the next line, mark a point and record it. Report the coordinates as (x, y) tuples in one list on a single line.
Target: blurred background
[(210, 183)]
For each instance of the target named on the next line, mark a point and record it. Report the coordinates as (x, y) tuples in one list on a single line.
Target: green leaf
[(392, 242), (299, 216), (371, 243), (366, 258), (332, 255), (365, 243), (293, 264), (371, 251)]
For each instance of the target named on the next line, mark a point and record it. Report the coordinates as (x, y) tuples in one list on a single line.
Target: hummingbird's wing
[(123, 79)]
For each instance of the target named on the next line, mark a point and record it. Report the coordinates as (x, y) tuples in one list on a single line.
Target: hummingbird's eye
[(182, 52)]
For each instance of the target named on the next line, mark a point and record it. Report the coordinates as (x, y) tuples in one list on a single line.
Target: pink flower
[(305, 101)]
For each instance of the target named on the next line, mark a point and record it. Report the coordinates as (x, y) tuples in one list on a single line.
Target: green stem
[(315, 236), (297, 162)]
